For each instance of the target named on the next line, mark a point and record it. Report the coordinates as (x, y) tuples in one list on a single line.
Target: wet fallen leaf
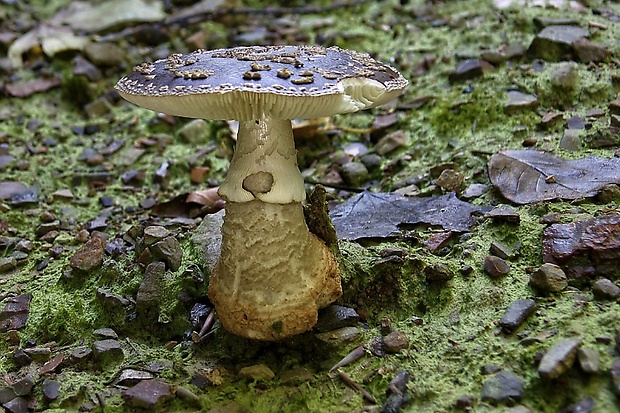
[(88, 17), (25, 89), (207, 197), (190, 205), (383, 215), (526, 176), (52, 39)]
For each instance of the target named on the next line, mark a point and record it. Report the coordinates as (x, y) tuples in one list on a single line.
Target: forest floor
[(480, 270)]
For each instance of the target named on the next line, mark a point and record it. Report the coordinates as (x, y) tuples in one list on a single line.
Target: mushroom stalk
[(264, 164), (272, 275)]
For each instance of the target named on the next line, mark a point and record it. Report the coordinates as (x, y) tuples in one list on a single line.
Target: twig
[(354, 355), (182, 20), (349, 381)]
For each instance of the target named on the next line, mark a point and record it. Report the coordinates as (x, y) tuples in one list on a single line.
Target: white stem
[(264, 164)]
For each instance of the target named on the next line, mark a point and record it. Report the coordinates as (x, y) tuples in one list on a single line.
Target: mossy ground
[(463, 123)]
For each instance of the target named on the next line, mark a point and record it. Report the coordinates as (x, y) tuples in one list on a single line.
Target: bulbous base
[(273, 274)]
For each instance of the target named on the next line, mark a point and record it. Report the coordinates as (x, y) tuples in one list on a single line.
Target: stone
[(438, 273), (500, 250), (112, 300), (495, 266), (555, 43), (15, 313), (354, 173), (17, 405), (505, 386), (571, 140), (168, 250), (569, 245), (503, 213), (469, 69), (131, 377), (605, 289), (51, 390), (517, 313), (257, 372), (391, 142), (7, 264), (559, 358), (108, 351), (450, 180), (614, 372), (519, 101), (589, 360), (340, 336), (296, 376), (549, 278), (52, 365), (585, 405), (336, 316), (395, 342), (104, 53), (148, 394), (151, 288), (474, 191), (195, 131), (97, 108), (154, 233), (89, 256), (588, 52), (6, 395), (40, 354), (105, 333), (81, 354), (24, 386)]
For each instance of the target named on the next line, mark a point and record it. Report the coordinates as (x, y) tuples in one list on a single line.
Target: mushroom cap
[(245, 83)]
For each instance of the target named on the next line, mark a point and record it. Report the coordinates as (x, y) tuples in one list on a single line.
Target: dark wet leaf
[(382, 215), (190, 205), (25, 89), (527, 176)]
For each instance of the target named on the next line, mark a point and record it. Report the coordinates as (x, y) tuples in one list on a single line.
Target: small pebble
[(605, 289), (336, 316), (504, 386), (495, 266), (615, 376), (559, 358), (395, 341), (51, 390), (257, 372), (517, 313), (549, 278), (147, 394), (589, 360)]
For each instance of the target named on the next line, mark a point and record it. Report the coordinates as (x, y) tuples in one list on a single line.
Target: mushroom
[(272, 275)]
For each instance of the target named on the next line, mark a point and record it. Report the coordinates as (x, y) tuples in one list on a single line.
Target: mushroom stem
[(264, 165), (273, 274)]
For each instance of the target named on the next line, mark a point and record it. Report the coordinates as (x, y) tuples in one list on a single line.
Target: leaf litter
[(386, 214), (528, 176)]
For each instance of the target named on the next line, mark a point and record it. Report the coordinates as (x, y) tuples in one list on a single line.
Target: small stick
[(354, 355), (349, 381), (207, 324)]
